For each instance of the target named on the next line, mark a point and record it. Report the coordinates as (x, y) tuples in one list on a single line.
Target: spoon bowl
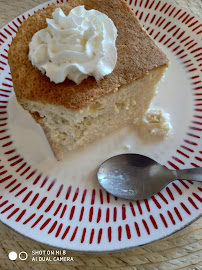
[(137, 177)]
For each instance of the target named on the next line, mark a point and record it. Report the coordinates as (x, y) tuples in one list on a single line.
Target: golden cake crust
[(137, 54)]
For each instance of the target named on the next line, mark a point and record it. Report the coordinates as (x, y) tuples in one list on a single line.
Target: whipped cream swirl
[(76, 46)]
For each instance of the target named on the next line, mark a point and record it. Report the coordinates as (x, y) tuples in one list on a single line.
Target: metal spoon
[(136, 177)]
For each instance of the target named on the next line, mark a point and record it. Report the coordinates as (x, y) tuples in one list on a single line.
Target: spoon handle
[(194, 174)]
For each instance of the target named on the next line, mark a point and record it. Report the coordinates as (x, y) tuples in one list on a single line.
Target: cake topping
[(76, 46)]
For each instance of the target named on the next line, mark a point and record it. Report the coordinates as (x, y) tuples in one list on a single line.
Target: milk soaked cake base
[(67, 129)]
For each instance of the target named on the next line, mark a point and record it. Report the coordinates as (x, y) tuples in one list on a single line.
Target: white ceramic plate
[(60, 203)]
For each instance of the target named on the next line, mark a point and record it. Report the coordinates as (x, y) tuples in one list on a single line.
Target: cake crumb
[(127, 147), (155, 124)]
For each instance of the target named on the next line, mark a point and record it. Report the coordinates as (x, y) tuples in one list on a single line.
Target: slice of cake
[(74, 114)]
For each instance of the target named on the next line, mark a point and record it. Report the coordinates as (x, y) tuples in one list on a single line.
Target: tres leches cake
[(84, 68)]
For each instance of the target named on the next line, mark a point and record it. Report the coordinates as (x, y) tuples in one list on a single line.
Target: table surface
[(183, 250)]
